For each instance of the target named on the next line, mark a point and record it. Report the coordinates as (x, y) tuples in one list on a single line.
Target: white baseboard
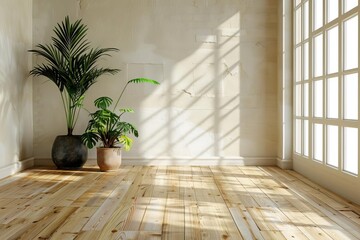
[(284, 163), (147, 161), (203, 161), (16, 167)]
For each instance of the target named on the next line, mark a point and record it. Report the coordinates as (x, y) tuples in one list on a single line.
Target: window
[(306, 61), (332, 97), (332, 50), (332, 9), (318, 56), (306, 99), (351, 43), (349, 4), (298, 64), (318, 98), (306, 138), (306, 19), (332, 146), (326, 84), (351, 150), (298, 136), (318, 142), (351, 96), (317, 14)]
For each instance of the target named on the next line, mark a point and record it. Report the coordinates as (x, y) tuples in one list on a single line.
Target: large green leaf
[(127, 128), (126, 142), (89, 139), (103, 102)]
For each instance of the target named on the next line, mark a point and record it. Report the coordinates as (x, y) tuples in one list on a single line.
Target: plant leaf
[(71, 63), (78, 102), (103, 102), (126, 142), (143, 80), (124, 110), (89, 139)]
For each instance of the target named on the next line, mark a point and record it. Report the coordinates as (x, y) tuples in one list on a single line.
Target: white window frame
[(340, 122)]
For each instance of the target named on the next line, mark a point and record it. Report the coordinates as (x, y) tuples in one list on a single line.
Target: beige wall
[(16, 128), (216, 61)]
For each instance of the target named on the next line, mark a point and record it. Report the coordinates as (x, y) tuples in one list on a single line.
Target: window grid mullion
[(324, 68), (341, 85), (311, 76)]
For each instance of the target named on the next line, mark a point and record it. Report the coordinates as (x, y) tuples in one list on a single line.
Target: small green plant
[(106, 125)]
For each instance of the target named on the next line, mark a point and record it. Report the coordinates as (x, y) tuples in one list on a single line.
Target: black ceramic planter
[(68, 152)]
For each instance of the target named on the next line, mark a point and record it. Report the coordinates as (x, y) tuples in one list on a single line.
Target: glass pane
[(318, 55), (351, 96), (298, 136), (332, 10), (333, 50), (298, 101), (306, 61), (306, 20), (332, 145), (298, 26), (298, 64), (351, 43), (349, 4), (306, 99), (306, 137), (318, 98), (297, 2), (318, 141), (317, 13), (351, 150), (333, 97)]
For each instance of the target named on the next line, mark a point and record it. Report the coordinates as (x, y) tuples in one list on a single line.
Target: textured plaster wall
[(16, 118), (216, 61)]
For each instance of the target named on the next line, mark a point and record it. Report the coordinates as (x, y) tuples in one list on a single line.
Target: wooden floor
[(179, 202)]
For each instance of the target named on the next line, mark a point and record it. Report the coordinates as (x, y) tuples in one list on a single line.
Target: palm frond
[(126, 110), (143, 80), (71, 64)]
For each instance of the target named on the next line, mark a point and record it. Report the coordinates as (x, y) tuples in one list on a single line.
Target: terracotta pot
[(109, 159), (68, 152)]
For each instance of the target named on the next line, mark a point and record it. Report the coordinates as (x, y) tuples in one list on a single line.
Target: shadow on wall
[(15, 103), (219, 82), (216, 61)]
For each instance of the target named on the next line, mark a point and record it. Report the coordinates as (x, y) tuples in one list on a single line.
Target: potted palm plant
[(106, 126), (71, 64)]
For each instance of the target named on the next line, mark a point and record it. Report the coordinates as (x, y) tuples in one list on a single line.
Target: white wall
[(216, 61), (16, 119)]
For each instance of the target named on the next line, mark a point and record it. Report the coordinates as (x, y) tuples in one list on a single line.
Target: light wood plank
[(172, 202)]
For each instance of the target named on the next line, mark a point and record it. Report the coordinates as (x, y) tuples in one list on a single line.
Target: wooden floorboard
[(172, 202)]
